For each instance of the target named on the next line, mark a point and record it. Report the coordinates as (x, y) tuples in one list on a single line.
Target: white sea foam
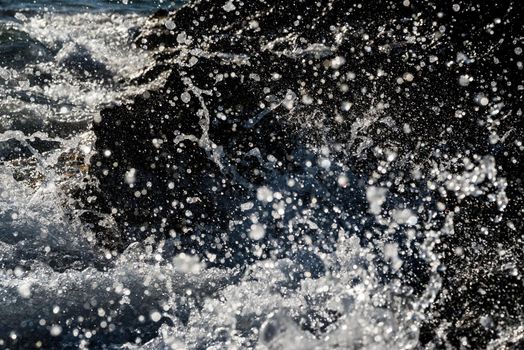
[(86, 61)]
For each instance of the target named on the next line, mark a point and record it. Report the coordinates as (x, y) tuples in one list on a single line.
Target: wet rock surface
[(318, 120)]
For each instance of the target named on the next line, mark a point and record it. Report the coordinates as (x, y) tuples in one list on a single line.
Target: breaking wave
[(60, 289)]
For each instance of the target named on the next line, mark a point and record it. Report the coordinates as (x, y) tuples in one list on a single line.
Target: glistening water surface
[(315, 254), (60, 62)]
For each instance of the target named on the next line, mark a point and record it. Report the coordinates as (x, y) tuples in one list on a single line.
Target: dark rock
[(270, 91)]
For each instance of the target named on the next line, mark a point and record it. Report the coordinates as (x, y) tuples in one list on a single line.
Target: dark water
[(10, 6)]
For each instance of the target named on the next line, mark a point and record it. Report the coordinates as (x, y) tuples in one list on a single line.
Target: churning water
[(61, 62)]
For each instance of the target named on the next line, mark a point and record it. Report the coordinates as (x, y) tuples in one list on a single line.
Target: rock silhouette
[(275, 114)]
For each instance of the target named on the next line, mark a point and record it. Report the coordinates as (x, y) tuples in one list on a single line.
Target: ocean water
[(141, 6), (61, 62)]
